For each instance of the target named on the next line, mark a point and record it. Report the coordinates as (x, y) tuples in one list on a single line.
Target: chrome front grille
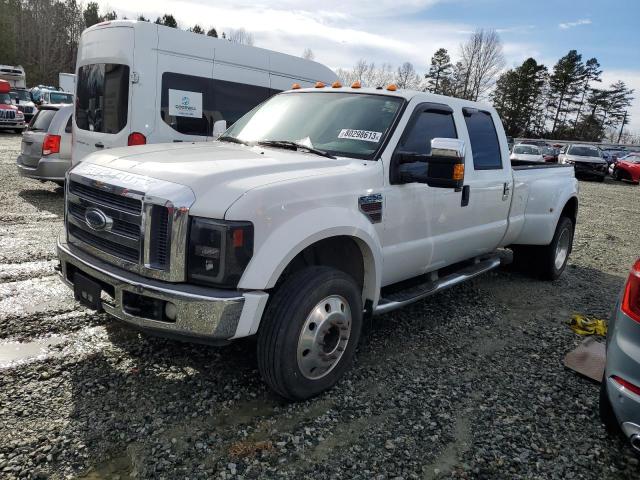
[(8, 114), (146, 220)]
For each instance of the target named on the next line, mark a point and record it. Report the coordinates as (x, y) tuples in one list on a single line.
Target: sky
[(394, 31)]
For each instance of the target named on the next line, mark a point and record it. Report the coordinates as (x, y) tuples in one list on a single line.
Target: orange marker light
[(356, 84), (295, 86), (336, 85), (319, 85), (392, 88), (458, 171)]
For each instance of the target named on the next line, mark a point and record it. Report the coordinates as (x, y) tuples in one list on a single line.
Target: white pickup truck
[(317, 208)]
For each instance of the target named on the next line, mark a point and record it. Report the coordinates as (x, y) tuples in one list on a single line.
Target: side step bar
[(413, 294)]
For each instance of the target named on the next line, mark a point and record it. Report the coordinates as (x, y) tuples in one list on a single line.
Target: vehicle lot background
[(469, 383)]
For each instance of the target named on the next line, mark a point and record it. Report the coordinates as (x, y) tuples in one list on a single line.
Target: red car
[(10, 116), (628, 168)]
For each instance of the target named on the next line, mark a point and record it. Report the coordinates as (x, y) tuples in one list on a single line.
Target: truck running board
[(412, 294)]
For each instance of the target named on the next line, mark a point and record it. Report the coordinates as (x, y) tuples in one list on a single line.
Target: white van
[(138, 82)]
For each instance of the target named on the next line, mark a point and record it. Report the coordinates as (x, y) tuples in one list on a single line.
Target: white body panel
[(295, 199), (67, 82), (14, 75), (151, 50)]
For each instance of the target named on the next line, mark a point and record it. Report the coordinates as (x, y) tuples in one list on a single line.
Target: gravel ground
[(468, 384)]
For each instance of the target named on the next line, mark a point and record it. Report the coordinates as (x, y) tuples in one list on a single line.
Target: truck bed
[(525, 165)]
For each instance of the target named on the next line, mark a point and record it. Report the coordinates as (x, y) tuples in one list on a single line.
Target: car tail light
[(631, 297), (51, 144), (626, 384), (136, 138)]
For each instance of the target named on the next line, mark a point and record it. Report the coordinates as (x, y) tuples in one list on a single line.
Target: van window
[(102, 103), (42, 120), (427, 126), (212, 99), (484, 139)]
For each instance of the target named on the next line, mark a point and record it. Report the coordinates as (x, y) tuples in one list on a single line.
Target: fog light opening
[(170, 311)]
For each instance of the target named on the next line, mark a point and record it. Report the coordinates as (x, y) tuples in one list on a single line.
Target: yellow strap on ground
[(588, 326)]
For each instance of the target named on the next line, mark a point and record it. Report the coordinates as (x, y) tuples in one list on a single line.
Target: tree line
[(567, 101), (43, 35)]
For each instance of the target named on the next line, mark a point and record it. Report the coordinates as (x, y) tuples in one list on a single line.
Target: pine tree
[(439, 72), (212, 33), (565, 81), (591, 74)]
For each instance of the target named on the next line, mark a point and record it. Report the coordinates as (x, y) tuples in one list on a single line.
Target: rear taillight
[(631, 297), (136, 138), (626, 384), (51, 144)]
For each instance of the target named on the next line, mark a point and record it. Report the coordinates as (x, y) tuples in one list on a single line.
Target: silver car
[(46, 144), (620, 388)]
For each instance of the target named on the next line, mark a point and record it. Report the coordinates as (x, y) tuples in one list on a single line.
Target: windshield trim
[(375, 155)]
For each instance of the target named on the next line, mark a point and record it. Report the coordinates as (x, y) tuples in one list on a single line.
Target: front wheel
[(310, 331)]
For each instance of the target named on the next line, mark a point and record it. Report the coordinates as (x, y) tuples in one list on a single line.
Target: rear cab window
[(483, 137), (102, 97), (42, 120)]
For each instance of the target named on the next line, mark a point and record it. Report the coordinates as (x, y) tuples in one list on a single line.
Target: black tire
[(617, 174), (546, 258), (607, 416), (282, 325), (18, 131), (600, 179)]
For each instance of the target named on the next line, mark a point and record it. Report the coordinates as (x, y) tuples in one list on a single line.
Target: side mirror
[(443, 168), (219, 127)]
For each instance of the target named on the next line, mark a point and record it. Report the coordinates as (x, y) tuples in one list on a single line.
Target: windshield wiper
[(294, 146), (229, 138)]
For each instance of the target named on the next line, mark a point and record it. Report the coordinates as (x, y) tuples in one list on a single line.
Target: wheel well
[(341, 253), (570, 210)]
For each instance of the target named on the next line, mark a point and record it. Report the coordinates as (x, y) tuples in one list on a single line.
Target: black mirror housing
[(444, 168)]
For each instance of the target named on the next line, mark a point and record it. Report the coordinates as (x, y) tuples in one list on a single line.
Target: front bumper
[(203, 315), (591, 169), (53, 169), (12, 124)]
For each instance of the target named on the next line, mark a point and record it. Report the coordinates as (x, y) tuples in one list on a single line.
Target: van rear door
[(102, 114)]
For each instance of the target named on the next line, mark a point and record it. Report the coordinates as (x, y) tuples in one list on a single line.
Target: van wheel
[(552, 259), (18, 131), (308, 337)]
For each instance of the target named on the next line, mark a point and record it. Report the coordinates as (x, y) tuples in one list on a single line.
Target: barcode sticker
[(365, 135)]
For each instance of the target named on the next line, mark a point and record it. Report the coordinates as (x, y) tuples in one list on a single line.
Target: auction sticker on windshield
[(185, 104), (365, 135)]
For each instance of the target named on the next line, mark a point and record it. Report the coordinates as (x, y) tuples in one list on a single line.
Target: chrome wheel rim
[(562, 248), (324, 337)]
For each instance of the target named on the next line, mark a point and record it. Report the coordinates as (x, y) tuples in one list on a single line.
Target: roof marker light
[(392, 88), (319, 85), (336, 84), (295, 86), (356, 84)]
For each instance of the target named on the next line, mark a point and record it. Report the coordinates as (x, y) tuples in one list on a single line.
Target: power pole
[(624, 120)]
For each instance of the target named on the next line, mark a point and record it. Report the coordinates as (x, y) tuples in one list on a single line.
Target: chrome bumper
[(202, 314)]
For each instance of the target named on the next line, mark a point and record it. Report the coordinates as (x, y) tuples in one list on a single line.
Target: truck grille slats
[(8, 114), (124, 236)]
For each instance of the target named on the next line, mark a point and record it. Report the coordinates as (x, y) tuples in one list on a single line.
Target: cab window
[(426, 126), (484, 139)]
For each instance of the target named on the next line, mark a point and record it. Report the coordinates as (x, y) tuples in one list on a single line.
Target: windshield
[(59, 97), (344, 124), (526, 150), (21, 95), (583, 151), (632, 157), (5, 99)]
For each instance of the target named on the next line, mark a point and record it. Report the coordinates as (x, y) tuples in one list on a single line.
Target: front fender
[(282, 244)]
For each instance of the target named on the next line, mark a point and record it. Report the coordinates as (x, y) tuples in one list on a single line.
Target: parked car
[(526, 153), (586, 159), (550, 154), (627, 168), (46, 144), (537, 143), (55, 97), (620, 387), (168, 85), (22, 99), (10, 117), (317, 206)]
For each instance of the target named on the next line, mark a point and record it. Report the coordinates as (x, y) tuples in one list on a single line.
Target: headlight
[(568, 162), (19, 114), (219, 251)]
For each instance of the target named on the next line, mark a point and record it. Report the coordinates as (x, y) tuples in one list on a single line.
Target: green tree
[(91, 14), (592, 73), (564, 83), (141, 18), (167, 20), (197, 29), (212, 33), (439, 72), (109, 16)]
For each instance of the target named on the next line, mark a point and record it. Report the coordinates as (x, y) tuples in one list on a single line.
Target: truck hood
[(230, 170), (582, 159)]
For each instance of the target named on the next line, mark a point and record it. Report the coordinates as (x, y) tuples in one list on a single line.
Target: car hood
[(229, 169), (530, 157), (4, 106), (579, 158)]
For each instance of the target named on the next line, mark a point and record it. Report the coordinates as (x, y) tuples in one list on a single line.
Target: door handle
[(466, 192), (505, 190), (99, 145)]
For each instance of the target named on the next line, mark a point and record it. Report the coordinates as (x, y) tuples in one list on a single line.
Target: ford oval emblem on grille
[(97, 220)]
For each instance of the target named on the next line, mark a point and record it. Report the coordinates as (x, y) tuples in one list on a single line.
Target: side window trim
[(468, 112), (419, 110)]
